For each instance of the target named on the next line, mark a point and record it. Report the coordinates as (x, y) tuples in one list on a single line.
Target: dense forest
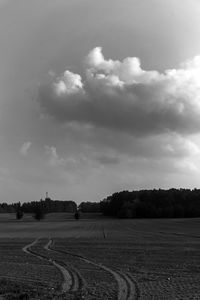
[(172, 203), (47, 206), (89, 207)]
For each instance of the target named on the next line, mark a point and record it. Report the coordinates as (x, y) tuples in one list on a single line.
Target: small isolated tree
[(39, 213), (76, 215), (19, 214)]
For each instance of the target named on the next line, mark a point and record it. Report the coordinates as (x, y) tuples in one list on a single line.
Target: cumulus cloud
[(117, 113), (121, 95), (24, 148), (69, 83)]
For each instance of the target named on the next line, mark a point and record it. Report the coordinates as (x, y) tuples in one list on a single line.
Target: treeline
[(46, 206), (172, 203), (89, 207)]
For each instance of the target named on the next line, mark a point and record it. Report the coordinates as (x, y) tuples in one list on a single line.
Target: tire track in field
[(27, 250), (127, 289), (67, 280), (132, 289), (136, 291), (77, 281)]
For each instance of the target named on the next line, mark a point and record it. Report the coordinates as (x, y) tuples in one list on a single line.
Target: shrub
[(77, 215), (19, 214), (39, 213)]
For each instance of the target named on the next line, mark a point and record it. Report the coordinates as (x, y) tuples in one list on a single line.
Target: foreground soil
[(60, 258)]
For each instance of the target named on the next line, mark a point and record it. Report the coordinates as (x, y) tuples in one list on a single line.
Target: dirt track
[(67, 279), (126, 286), (72, 280)]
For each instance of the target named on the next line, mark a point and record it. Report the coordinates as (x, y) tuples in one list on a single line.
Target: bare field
[(60, 258)]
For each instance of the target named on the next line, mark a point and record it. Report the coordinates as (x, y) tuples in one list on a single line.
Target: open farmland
[(97, 258)]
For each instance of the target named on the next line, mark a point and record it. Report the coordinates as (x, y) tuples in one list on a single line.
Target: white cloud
[(68, 83), (25, 148), (121, 95), (119, 115)]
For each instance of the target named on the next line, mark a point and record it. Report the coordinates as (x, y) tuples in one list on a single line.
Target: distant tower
[(47, 196)]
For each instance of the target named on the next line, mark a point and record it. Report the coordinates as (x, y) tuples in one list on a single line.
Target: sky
[(98, 97)]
